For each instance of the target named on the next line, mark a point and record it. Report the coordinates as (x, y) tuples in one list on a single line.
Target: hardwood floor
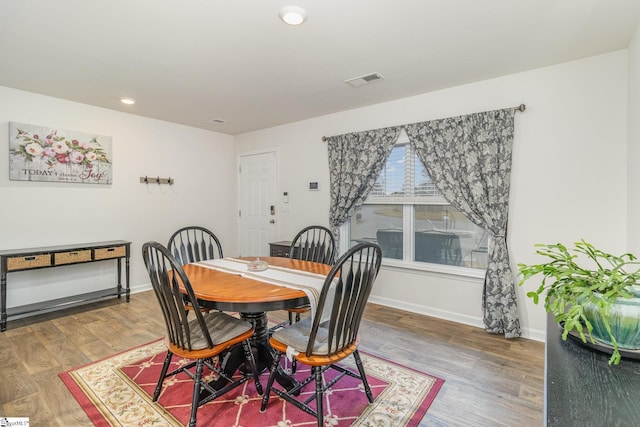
[(490, 381)]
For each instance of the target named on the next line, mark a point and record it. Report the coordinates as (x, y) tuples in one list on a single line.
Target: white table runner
[(310, 283)]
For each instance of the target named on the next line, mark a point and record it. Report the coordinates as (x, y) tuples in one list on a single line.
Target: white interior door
[(257, 222)]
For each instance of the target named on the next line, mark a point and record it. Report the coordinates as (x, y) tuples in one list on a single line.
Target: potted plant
[(590, 292)]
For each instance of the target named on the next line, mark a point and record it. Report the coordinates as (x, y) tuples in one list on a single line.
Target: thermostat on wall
[(314, 186)]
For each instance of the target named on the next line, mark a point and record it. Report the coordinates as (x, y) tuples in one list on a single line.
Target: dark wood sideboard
[(581, 389), (55, 256), (280, 248)]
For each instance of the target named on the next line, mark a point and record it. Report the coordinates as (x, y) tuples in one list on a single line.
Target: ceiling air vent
[(363, 80), (216, 121)]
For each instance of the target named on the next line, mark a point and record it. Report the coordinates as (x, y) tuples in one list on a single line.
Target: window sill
[(438, 269)]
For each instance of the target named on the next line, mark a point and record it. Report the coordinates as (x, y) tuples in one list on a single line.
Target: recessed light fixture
[(293, 15), (128, 101)]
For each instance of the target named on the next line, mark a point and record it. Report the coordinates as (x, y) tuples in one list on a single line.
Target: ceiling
[(194, 61)]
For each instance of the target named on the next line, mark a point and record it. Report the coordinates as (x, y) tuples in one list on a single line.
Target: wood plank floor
[(490, 381)]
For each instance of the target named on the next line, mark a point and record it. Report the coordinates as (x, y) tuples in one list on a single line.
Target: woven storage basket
[(71, 257), (30, 261), (113, 252)]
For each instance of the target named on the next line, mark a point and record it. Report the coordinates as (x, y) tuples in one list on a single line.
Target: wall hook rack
[(156, 180)]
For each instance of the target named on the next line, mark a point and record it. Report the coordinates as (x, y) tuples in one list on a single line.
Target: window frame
[(408, 202)]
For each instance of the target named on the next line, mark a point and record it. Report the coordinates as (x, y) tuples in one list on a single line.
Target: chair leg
[(294, 362), (196, 392), (317, 371), (165, 367), (248, 355), (272, 376), (363, 376)]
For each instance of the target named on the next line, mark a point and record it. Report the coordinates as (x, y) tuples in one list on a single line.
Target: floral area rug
[(117, 391)]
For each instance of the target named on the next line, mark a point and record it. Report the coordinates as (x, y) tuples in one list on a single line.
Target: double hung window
[(411, 220)]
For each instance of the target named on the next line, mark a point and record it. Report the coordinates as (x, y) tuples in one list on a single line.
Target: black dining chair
[(194, 243), (332, 335), (207, 336), (313, 243)]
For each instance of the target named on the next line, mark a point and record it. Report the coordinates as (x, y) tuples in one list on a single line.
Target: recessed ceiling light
[(128, 101), (293, 15)]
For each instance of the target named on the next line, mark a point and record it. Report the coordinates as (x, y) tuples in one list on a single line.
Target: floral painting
[(38, 153)]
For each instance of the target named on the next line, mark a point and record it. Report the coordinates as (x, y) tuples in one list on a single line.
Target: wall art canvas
[(38, 153)]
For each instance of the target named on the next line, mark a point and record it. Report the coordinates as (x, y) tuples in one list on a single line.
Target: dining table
[(229, 285)]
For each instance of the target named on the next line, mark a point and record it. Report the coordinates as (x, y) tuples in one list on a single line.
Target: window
[(411, 221)]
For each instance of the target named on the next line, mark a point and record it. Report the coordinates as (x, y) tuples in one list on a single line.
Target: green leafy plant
[(579, 278)]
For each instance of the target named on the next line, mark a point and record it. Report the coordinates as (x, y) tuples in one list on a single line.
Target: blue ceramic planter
[(624, 319)]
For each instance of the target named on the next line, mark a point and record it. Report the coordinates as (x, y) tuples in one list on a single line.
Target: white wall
[(37, 214), (633, 158), (568, 182), (569, 179)]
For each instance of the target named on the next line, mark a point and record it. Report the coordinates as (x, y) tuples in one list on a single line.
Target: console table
[(581, 389), (54, 256)]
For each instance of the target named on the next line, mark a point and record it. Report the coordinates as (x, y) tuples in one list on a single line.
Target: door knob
[(273, 221)]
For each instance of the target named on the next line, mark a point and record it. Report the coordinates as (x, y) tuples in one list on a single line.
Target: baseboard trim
[(141, 288), (532, 334)]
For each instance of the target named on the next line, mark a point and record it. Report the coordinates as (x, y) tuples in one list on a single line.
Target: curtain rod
[(520, 108)]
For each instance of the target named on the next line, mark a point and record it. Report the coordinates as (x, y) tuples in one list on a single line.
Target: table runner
[(310, 283)]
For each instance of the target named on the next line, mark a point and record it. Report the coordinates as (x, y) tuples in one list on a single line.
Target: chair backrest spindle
[(194, 244), (314, 243)]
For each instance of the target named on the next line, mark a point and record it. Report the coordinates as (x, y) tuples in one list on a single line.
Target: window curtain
[(469, 160), (355, 161)]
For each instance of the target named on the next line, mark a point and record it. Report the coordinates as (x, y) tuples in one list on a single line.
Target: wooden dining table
[(252, 299)]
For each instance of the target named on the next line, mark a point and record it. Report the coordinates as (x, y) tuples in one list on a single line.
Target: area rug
[(117, 391)]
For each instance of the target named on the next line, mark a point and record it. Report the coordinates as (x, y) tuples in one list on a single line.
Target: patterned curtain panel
[(355, 161), (469, 160)]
